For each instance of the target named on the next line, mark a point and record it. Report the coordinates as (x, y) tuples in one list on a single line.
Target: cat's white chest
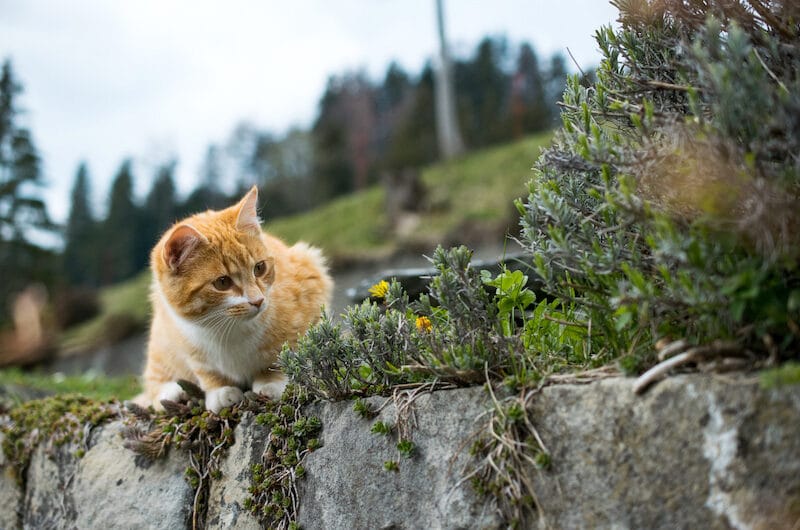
[(235, 354), (231, 348)]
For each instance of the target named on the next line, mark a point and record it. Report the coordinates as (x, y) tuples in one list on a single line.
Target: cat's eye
[(260, 268), (223, 283)]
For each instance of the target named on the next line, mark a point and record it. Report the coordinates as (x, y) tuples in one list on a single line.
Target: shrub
[(457, 333), (667, 207), (450, 334)]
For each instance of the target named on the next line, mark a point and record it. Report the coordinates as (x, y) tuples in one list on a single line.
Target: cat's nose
[(257, 302)]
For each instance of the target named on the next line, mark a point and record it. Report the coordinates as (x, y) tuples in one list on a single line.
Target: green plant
[(292, 436), (380, 427), (452, 334), (458, 333), (406, 448), (512, 296), (667, 206), (363, 408)]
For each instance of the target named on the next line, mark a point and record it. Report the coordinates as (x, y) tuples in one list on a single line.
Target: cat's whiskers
[(220, 324), (214, 322), (227, 331)]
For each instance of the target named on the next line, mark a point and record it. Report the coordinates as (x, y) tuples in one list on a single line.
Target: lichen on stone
[(56, 421)]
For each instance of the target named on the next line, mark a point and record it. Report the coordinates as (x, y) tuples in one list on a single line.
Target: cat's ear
[(180, 245), (247, 219)]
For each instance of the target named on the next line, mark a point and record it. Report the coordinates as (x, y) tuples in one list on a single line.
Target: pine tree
[(79, 262), (555, 82), (414, 141), (332, 172), (159, 211), (118, 247), (22, 213), (208, 194), (530, 109), (393, 102), (483, 95)]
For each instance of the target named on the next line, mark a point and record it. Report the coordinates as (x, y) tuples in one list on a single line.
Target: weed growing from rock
[(363, 408), (505, 453), (205, 437), (292, 436), (187, 426)]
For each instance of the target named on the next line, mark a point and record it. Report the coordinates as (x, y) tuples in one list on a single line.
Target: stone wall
[(693, 452)]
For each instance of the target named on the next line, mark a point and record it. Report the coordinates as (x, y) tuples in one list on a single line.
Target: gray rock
[(694, 452), (227, 495), (346, 486), (110, 487), (10, 495), (48, 500)]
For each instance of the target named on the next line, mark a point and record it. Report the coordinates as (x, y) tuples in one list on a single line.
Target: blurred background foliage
[(370, 138)]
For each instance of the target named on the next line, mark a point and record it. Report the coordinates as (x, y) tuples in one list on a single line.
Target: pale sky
[(107, 79)]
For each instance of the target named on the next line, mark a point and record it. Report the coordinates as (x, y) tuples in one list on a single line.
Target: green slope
[(466, 199)]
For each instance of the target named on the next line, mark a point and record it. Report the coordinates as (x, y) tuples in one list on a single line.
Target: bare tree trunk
[(448, 132)]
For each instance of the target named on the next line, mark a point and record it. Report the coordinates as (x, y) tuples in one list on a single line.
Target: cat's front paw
[(222, 397), (169, 392), (271, 389)]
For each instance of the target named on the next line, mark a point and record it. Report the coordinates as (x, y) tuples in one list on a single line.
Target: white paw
[(273, 389), (222, 397), (170, 392)]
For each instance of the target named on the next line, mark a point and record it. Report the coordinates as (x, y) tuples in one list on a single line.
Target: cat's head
[(215, 265)]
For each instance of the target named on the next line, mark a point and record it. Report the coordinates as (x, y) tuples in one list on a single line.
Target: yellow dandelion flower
[(424, 324), (379, 290)]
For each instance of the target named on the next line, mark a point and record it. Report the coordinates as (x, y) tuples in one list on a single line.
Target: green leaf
[(623, 318)]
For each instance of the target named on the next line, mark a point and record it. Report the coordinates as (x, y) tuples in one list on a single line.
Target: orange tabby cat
[(226, 296)]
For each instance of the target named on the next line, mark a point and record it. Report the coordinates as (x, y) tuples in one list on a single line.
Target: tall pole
[(448, 133)]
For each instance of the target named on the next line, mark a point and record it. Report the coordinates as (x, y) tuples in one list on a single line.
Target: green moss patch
[(292, 436), (57, 421)]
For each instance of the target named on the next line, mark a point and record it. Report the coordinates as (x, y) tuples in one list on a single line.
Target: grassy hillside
[(464, 196), (465, 199)]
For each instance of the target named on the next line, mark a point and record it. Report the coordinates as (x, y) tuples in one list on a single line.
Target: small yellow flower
[(379, 290), (424, 324)]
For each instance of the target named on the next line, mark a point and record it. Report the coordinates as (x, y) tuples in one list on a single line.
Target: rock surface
[(227, 495), (347, 486), (10, 494), (108, 488), (693, 452)]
